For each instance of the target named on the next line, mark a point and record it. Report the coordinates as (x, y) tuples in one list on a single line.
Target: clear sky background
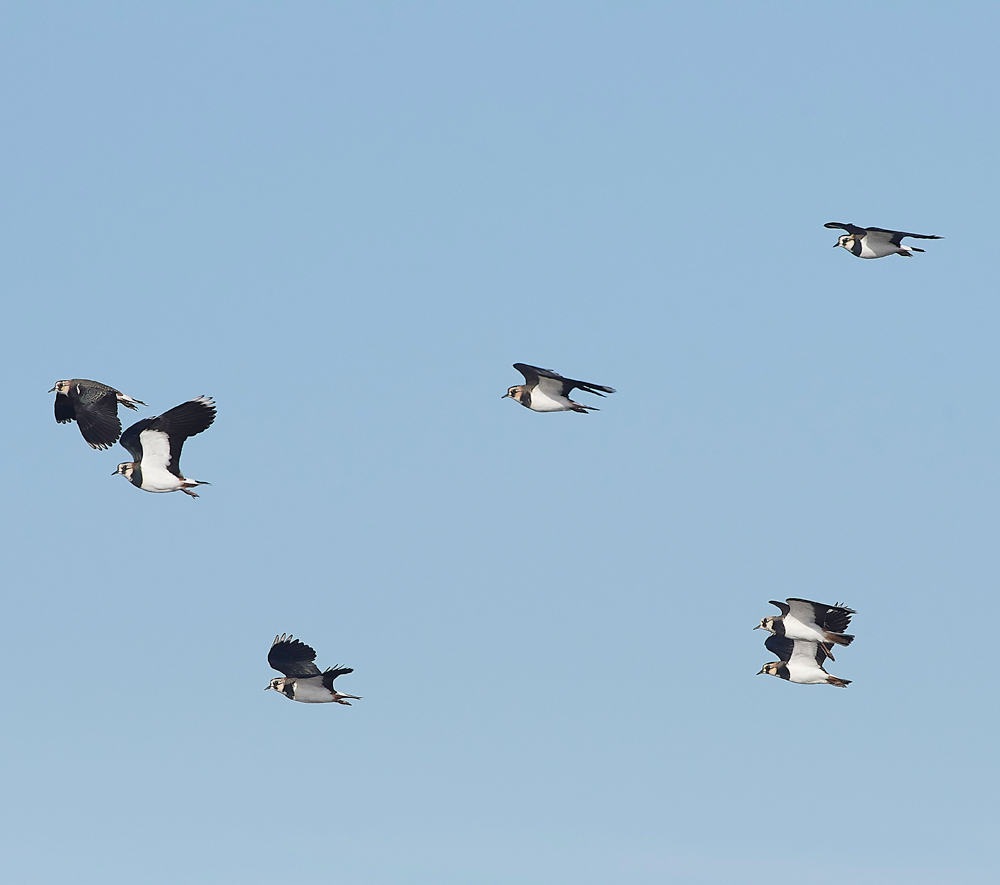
[(344, 221)]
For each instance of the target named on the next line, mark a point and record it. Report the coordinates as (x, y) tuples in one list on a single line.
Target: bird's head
[(514, 392), (277, 684), (770, 669), (766, 624), (125, 469), (846, 241), (61, 387)]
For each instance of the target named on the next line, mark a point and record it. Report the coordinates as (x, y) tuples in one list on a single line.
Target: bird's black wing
[(850, 228), (834, 618), (567, 383), (897, 235), (187, 419), (587, 386), (332, 673), (292, 657), (779, 646), (96, 411), (130, 438), (180, 422), (531, 373), (784, 609), (64, 409), (838, 619)]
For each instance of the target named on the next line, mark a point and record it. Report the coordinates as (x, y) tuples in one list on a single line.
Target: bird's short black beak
[(835, 245), (53, 390), (268, 687), (757, 627), (503, 397), (760, 671)]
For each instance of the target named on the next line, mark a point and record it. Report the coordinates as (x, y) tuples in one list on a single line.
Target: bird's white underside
[(155, 459), (312, 691), (548, 396), (795, 629), (878, 245), (800, 623), (802, 666)]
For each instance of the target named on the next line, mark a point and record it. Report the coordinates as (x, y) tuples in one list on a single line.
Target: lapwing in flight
[(303, 680), (875, 242), (94, 407), (155, 446), (801, 662), (812, 621), (547, 391)]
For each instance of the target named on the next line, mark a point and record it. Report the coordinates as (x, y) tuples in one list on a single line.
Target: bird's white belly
[(542, 402), (805, 674), (880, 250), (312, 693), (156, 479), (795, 629)]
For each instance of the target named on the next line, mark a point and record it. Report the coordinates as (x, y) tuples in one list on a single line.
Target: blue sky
[(344, 221)]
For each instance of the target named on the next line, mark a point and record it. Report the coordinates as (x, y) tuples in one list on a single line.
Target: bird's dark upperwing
[(130, 438), (567, 383), (896, 235), (850, 228), (187, 419), (332, 673), (779, 646), (97, 415), (590, 388), (183, 421), (64, 409), (834, 618), (531, 373), (292, 657)]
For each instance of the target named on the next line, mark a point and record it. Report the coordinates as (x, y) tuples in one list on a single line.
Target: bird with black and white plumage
[(94, 407), (547, 391), (155, 446), (800, 661), (813, 621), (303, 681), (875, 242)]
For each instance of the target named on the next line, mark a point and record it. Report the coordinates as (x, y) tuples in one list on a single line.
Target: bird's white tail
[(128, 402)]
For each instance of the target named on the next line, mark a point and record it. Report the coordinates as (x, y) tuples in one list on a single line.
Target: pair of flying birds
[(547, 391), (803, 638), (154, 443)]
